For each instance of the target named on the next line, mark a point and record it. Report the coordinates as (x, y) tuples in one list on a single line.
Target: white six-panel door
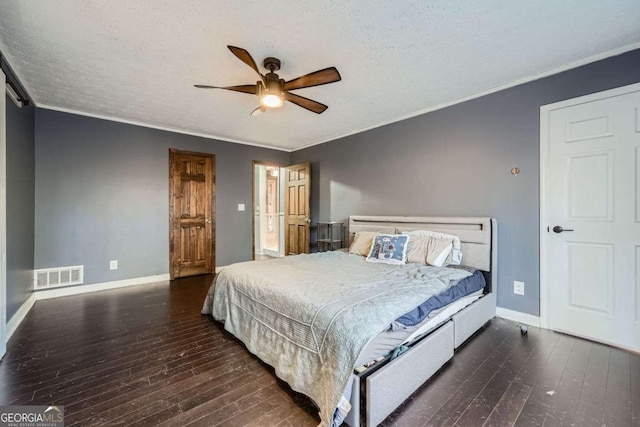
[(591, 190)]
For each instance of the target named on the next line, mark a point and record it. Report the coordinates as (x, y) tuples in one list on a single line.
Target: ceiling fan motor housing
[(272, 64), (272, 84)]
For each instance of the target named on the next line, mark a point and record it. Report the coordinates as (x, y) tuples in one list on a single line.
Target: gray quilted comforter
[(309, 316)]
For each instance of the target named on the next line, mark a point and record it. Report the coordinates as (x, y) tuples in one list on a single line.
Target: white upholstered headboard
[(478, 235)]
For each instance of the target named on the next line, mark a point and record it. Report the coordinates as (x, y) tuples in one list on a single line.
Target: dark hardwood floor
[(144, 356)]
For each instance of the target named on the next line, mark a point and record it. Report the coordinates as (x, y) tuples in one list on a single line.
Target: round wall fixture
[(515, 171)]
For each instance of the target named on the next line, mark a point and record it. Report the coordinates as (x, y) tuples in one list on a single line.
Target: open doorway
[(268, 210)]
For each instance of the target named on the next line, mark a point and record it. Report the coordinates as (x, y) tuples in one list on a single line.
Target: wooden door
[(192, 213), (297, 215), (592, 211)]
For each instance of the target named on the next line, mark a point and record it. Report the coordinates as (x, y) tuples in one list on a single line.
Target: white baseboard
[(24, 309), (82, 289), (19, 316), (516, 316)]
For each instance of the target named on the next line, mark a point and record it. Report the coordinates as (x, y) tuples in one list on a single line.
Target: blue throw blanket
[(464, 287)]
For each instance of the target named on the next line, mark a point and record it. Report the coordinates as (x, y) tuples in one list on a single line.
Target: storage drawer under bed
[(387, 388), (466, 322)]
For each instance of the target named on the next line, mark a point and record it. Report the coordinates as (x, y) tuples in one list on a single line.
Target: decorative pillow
[(376, 230), (417, 249), (455, 256), (438, 251), (429, 250), (389, 249), (362, 242)]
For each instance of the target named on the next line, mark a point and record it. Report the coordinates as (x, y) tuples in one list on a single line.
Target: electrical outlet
[(113, 264), (240, 207), (518, 288)]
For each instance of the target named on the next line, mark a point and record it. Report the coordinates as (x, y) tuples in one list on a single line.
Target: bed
[(312, 317)]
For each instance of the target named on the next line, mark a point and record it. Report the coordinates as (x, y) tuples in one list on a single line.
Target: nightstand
[(330, 236)]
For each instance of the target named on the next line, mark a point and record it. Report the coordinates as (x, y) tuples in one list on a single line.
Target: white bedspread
[(309, 316)]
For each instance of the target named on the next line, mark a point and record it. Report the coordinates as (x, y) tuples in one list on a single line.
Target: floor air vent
[(46, 278)]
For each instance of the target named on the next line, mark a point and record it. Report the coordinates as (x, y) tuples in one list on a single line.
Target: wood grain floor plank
[(126, 403), (451, 411), (224, 414), (299, 419), (634, 367), (252, 412), (563, 403), (551, 373), (508, 408), (428, 399), (533, 414), (145, 356), (487, 400)]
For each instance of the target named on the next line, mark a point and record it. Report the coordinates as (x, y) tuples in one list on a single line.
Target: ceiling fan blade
[(307, 103), (258, 111), (250, 89), (246, 57), (317, 78)]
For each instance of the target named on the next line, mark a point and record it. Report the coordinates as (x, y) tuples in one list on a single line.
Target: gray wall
[(102, 193), (457, 161), (20, 204)]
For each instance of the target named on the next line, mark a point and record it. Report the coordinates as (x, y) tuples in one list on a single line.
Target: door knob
[(208, 221), (559, 229)]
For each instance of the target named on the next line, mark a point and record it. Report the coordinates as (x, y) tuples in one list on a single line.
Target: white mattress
[(386, 341)]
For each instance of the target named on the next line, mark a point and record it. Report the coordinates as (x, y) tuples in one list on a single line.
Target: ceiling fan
[(272, 91)]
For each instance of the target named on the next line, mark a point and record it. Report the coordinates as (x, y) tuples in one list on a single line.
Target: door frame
[(253, 201), (172, 153), (3, 219), (545, 112)]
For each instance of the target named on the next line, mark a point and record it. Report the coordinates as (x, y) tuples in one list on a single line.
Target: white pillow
[(417, 249), (456, 252), (429, 250), (438, 251)]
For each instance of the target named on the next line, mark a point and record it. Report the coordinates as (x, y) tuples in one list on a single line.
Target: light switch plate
[(113, 264), (240, 207)]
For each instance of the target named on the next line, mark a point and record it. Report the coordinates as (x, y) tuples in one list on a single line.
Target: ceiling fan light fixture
[(271, 100), (271, 94)]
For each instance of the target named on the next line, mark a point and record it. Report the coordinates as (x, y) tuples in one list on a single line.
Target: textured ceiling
[(137, 61)]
